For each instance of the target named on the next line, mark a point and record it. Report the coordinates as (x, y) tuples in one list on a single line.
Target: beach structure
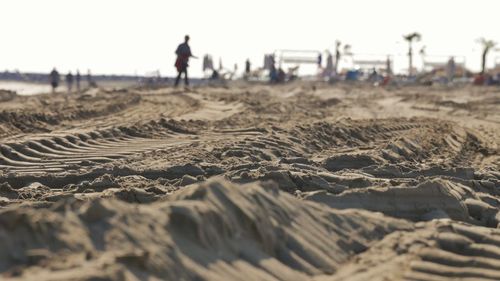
[(368, 62), (297, 57), (439, 64), (292, 60), (431, 62), (359, 66)]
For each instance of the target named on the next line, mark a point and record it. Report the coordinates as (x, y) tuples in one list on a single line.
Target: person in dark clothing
[(281, 75), (183, 53), (247, 67), (54, 79), (78, 80), (337, 57), (89, 77), (215, 75), (69, 81)]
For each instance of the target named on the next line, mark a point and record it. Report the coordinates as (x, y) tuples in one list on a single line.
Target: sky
[(140, 36)]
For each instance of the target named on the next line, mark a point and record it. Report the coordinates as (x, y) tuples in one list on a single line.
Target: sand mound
[(433, 251), (6, 95), (213, 231), (429, 200)]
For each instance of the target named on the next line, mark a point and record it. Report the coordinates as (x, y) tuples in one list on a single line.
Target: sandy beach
[(24, 88), (301, 181)]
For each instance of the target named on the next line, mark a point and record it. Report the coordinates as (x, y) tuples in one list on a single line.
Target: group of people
[(70, 79), (276, 75), (183, 53)]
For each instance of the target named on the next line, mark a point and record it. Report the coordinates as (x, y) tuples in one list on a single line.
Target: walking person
[(451, 68), (78, 80), (183, 53), (69, 82), (54, 79)]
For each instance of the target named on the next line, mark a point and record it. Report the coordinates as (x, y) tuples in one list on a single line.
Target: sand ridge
[(303, 181)]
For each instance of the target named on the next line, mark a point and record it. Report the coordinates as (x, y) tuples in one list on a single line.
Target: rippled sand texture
[(251, 182)]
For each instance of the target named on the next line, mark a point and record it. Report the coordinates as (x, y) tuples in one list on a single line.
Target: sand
[(304, 181)]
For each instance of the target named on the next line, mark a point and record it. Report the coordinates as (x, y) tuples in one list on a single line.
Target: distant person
[(273, 74), (329, 66), (248, 66), (183, 53), (388, 68), (337, 57), (215, 75), (78, 80), (69, 81), (247, 69), (281, 75), (451, 69), (220, 65), (54, 79), (373, 76), (320, 60)]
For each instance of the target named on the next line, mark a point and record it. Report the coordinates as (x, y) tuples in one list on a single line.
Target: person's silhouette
[(78, 80), (183, 53), (248, 66), (54, 79), (69, 81)]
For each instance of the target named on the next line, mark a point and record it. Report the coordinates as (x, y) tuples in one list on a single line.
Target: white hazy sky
[(137, 36)]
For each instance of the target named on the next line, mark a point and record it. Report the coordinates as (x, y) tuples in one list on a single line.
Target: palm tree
[(415, 36), (487, 46), (347, 50)]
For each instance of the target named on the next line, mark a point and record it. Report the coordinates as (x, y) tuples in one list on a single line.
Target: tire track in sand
[(52, 154)]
